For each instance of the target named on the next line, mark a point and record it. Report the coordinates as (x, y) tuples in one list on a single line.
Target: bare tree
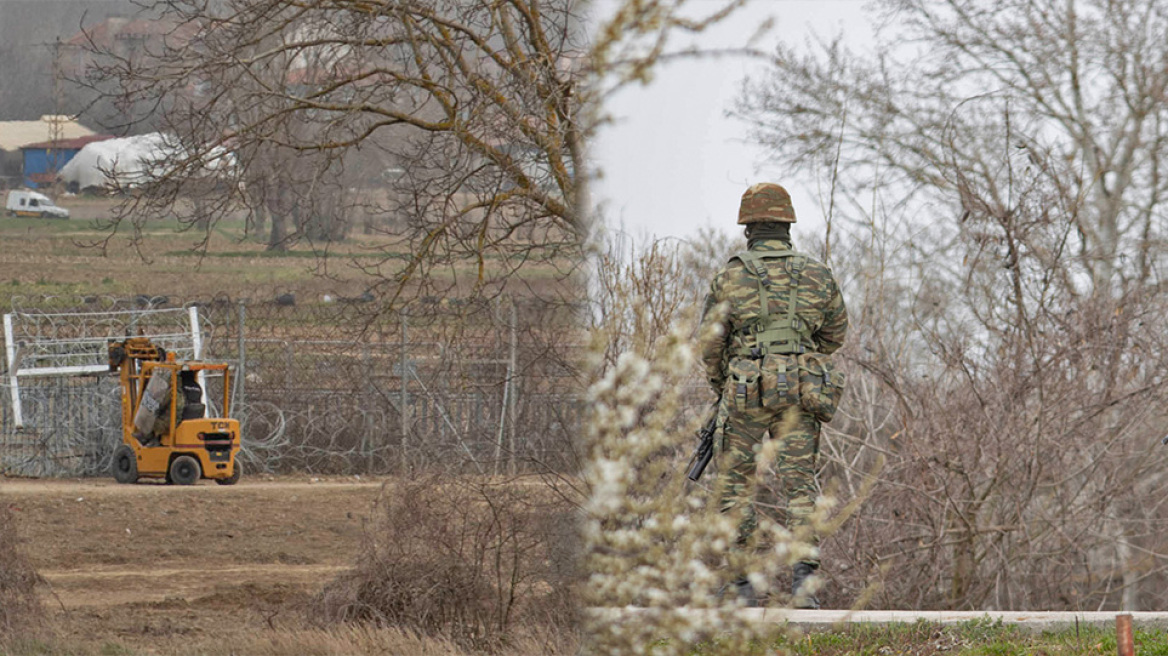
[(999, 167), (1077, 87), (471, 119)]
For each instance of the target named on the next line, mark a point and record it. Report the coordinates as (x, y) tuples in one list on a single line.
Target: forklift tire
[(184, 470), (125, 467), (234, 477)]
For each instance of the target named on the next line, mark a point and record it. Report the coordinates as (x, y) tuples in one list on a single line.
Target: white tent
[(132, 161), (115, 162)]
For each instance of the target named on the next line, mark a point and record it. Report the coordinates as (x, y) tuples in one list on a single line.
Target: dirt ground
[(158, 568)]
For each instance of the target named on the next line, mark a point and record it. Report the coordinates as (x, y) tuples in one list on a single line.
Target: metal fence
[(490, 387)]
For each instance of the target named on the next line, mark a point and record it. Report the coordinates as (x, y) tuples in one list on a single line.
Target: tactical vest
[(784, 333)]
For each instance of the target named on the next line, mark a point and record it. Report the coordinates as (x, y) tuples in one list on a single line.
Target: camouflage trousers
[(785, 491)]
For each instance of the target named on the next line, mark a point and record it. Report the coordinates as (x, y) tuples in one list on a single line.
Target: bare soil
[(160, 568)]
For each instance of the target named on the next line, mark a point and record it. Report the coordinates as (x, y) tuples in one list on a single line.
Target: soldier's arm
[(714, 335), (835, 323)]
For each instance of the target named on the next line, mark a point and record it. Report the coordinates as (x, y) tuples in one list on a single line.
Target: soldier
[(768, 357)]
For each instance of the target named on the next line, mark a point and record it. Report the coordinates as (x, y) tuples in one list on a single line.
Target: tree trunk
[(964, 563), (261, 220), (277, 239)]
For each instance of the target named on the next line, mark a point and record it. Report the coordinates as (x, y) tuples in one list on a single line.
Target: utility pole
[(56, 130), (56, 120)]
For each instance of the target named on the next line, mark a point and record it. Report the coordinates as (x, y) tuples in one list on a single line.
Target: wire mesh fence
[(486, 387)]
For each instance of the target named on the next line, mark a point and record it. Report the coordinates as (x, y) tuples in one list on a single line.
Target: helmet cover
[(766, 202)]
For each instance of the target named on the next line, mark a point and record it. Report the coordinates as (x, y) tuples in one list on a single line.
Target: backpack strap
[(780, 334)]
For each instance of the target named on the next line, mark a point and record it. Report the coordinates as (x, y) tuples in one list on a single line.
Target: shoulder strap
[(754, 264), (795, 266), (784, 330)]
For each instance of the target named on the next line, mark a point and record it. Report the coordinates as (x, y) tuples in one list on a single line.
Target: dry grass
[(19, 608), (347, 640), (334, 641)]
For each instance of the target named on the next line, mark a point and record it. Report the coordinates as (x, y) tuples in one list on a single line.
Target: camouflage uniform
[(756, 369)]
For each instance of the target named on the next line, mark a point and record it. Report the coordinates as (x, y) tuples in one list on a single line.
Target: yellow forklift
[(165, 430)]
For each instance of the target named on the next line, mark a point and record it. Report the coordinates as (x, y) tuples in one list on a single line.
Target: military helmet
[(766, 202)]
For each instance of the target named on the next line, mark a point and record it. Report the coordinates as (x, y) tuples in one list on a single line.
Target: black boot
[(746, 592), (803, 600)]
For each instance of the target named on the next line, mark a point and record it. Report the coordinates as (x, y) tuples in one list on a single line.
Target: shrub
[(19, 608), (480, 562)]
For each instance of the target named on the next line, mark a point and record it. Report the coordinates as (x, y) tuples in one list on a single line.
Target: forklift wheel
[(185, 470), (125, 465), (234, 477)]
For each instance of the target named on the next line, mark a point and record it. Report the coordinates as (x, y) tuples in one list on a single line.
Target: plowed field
[(157, 567)]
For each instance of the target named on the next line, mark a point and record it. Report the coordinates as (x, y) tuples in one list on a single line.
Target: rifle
[(705, 450)]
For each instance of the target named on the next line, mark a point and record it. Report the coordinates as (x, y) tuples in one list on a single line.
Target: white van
[(31, 203)]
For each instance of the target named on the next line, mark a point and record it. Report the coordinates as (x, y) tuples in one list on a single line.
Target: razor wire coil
[(310, 395)]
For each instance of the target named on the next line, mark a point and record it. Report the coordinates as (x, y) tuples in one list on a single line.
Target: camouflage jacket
[(819, 306)]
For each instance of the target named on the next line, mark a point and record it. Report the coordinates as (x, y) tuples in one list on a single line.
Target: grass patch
[(977, 638), (39, 226)]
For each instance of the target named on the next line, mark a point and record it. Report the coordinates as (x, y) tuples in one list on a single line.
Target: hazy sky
[(673, 162)]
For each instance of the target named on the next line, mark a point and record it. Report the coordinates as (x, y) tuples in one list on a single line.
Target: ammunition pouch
[(743, 380), (821, 385), (780, 381)]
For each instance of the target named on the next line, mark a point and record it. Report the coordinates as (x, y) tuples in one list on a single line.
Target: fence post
[(241, 369), (1124, 643), (512, 369), (289, 369), (405, 392), (502, 421), (505, 413), (367, 424), (197, 348), (14, 395)]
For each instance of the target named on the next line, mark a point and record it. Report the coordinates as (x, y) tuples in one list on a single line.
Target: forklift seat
[(192, 392)]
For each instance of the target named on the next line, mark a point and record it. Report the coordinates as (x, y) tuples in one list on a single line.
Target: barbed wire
[(313, 394), (56, 340)]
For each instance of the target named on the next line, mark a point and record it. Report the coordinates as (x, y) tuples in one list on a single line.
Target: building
[(43, 160), (128, 39), (15, 135)]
